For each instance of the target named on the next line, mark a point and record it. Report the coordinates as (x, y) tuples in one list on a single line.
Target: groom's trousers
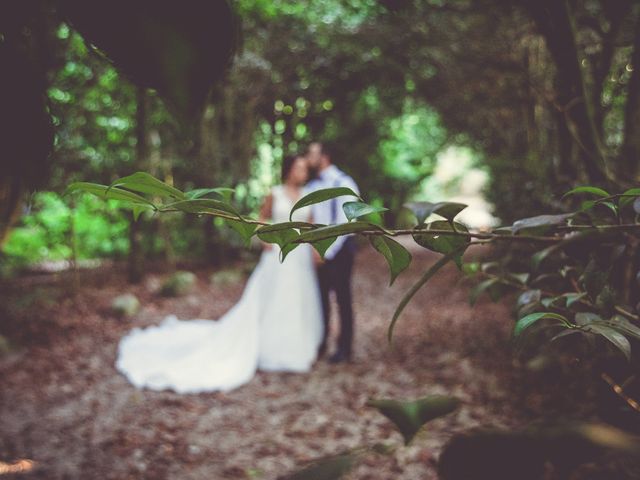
[(335, 275)]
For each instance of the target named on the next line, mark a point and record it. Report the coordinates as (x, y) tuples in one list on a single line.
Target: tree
[(194, 41)]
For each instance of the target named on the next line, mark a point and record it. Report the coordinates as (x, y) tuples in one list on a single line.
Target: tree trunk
[(555, 22), (136, 252), (630, 153)]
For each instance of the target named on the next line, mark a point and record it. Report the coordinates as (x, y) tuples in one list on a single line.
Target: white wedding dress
[(276, 325)]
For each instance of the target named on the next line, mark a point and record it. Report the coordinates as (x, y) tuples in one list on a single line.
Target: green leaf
[(528, 297), (471, 268), (573, 298), (396, 255), (323, 245), (355, 210), (410, 416), (331, 468), (417, 286), (629, 196), (284, 238), (285, 226), (539, 257), (616, 338), (441, 242), (624, 326), (144, 183), (611, 206), (330, 231), (322, 195), (585, 318), (529, 320), (587, 205), (449, 210), (590, 204), (244, 229), (540, 224), (566, 333), (280, 237), (521, 278), (572, 240), (594, 278), (204, 206), (599, 192), (480, 288), (422, 210), (107, 193), (139, 210), (225, 193)]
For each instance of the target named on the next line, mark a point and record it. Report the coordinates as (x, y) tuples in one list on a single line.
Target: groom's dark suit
[(335, 273)]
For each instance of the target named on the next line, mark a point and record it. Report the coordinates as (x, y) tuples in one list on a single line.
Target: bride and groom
[(281, 322)]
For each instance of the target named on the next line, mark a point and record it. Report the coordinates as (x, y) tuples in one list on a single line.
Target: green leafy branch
[(142, 192)]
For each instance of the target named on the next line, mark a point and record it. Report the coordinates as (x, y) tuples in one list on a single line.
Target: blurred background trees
[(540, 95)]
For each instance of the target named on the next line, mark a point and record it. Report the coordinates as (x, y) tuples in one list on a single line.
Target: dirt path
[(63, 405)]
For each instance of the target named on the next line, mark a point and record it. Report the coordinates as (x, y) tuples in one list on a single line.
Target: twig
[(619, 390)]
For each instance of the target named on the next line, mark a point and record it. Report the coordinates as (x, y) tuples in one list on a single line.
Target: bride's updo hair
[(287, 165)]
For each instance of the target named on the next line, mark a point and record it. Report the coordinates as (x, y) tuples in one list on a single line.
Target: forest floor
[(63, 404)]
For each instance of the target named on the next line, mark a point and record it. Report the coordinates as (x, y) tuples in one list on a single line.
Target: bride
[(276, 325)]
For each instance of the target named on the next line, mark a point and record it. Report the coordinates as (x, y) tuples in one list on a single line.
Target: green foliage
[(582, 273), (55, 226), (583, 284)]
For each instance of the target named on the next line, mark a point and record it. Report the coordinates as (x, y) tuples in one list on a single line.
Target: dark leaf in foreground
[(442, 242), (396, 255), (540, 224), (322, 196), (144, 183), (422, 210), (410, 416), (355, 210)]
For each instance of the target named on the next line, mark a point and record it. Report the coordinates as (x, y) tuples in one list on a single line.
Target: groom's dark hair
[(326, 149)]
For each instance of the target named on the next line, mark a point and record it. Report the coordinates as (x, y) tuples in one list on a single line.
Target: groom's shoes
[(340, 357)]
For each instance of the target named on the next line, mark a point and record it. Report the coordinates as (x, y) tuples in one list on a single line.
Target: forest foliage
[(390, 84)]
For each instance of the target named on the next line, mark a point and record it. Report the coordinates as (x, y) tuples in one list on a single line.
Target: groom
[(334, 273)]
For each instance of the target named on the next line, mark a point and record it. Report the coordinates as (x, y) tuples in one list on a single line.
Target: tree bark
[(630, 153), (136, 252), (615, 12), (555, 22)]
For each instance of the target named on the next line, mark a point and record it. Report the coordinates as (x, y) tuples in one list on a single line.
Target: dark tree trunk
[(554, 20), (136, 252), (630, 153)]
